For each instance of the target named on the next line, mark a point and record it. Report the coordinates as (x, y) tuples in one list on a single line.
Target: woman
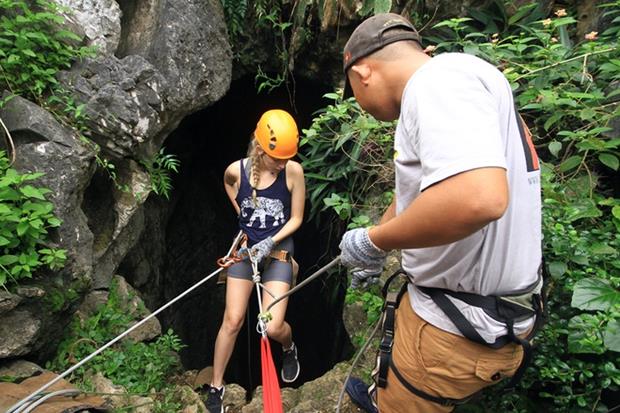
[(267, 190)]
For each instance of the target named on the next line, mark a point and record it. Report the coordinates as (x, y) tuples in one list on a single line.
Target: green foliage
[(562, 88), (371, 301), (57, 299), (375, 7), (343, 154), (34, 48), (575, 358), (234, 13), (166, 402), (247, 21), (159, 169), (268, 14), (25, 218), (139, 367)]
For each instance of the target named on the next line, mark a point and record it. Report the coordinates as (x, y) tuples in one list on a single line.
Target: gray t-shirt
[(458, 114)]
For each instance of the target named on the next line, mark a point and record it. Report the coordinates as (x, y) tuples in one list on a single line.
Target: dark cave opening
[(199, 224)]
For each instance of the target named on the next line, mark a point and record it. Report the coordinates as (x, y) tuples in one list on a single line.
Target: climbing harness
[(507, 309), (237, 254)]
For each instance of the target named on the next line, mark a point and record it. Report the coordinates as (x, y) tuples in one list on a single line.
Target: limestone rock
[(18, 331), (8, 301), (100, 20), (19, 369), (115, 395), (186, 41), (189, 399), (125, 101), (44, 145)]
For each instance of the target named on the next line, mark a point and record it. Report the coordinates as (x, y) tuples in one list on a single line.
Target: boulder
[(100, 20)]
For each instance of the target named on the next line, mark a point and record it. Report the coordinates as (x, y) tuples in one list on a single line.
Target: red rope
[(272, 402)]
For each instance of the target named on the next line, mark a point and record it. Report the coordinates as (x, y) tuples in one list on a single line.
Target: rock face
[(44, 145), (100, 21), (186, 41), (159, 62), (125, 102)]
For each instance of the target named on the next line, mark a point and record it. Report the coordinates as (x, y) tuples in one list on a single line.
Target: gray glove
[(365, 278), (261, 249), (358, 251)]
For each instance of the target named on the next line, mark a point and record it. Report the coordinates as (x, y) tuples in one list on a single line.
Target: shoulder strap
[(245, 171)]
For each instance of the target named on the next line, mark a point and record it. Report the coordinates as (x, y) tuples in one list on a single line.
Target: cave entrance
[(197, 226)]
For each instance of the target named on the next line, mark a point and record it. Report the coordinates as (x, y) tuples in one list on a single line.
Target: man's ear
[(363, 72)]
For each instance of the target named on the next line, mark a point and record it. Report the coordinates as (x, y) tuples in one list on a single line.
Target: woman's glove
[(262, 249), (358, 251)]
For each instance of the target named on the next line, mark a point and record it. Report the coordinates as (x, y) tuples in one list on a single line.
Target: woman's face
[(273, 165)]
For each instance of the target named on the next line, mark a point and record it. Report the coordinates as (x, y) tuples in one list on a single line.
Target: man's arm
[(389, 213), (446, 212)]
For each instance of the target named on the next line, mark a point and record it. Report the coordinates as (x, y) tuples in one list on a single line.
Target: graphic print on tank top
[(264, 208)]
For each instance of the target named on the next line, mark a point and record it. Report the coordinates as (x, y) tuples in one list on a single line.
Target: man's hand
[(261, 249), (358, 251)]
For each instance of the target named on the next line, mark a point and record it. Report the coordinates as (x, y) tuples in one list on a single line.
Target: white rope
[(9, 141), (354, 363), (261, 325), (65, 393), (304, 282), (17, 407)]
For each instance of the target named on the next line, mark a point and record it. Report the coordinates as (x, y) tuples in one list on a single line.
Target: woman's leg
[(277, 328), (237, 295), (278, 277)]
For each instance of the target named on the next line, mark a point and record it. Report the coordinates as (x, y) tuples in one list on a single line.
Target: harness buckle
[(387, 342)]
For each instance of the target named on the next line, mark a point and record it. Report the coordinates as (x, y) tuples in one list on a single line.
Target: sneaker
[(290, 365), (215, 397), (358, 392)]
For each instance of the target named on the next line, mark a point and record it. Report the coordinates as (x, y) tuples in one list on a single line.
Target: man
[(466, 215)]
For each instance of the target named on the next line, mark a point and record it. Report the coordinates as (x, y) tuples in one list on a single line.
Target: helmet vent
[(272, 138)]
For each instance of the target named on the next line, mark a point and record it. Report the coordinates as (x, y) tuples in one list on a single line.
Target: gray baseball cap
[(373, 34)]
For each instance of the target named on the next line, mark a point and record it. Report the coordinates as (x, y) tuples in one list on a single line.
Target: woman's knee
[(232, 324), (276, 330)]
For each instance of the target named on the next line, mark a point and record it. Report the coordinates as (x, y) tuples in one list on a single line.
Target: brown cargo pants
[(439, 363)]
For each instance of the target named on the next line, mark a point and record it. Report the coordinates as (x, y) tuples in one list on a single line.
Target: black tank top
[(272, 209)]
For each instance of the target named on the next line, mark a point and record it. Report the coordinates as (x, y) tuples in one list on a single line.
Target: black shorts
[(275, 271)]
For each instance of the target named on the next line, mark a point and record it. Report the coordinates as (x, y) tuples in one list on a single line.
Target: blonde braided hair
[(254, 156)]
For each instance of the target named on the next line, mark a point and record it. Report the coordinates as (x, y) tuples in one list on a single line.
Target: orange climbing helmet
[(277, 134)]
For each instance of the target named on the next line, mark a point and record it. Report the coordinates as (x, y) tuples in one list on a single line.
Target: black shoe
[(290, 365), (358, 392), (214, 399)]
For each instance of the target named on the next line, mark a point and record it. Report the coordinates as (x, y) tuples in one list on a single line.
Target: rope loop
[(235, 254), (263, 320)]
